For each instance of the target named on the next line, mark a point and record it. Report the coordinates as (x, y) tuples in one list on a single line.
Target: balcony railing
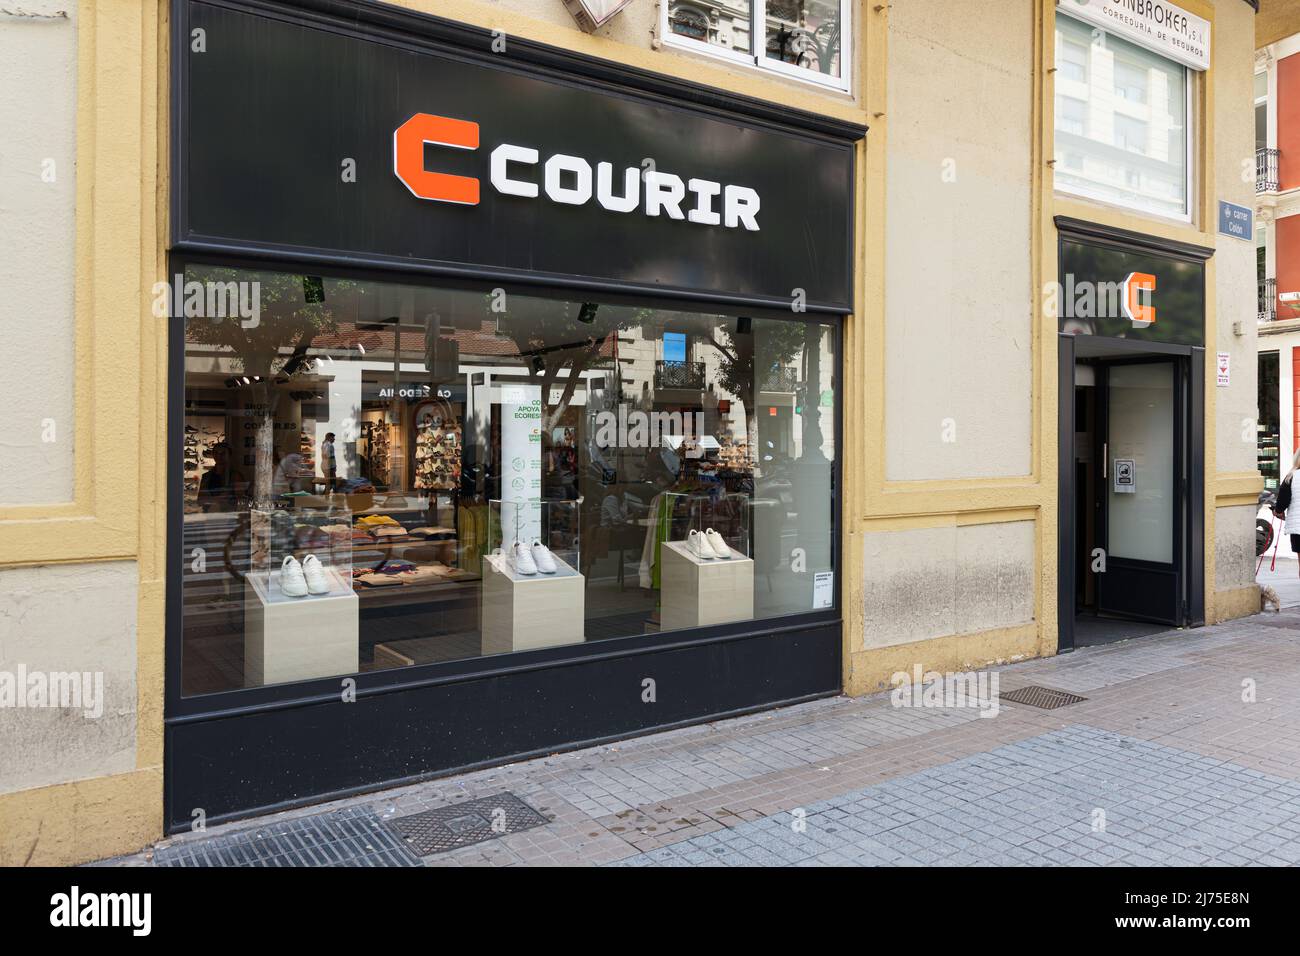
[(1268, 300), (781, 380), (679, 375), (1266, 170)]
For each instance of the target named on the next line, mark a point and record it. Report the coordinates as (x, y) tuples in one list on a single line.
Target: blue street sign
[(1236, 221)]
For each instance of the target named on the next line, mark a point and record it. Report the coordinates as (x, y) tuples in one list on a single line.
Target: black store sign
[(1129, 292), (487, 165)]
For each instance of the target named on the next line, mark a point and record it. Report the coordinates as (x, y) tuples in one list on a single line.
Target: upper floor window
[(808, 39), (1123, 117), (1130, 134), (1130, 81), (1071, 115), (674, 346), (1072, 60), (1261, 111)]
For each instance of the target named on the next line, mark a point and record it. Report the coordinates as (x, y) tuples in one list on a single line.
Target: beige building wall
[(76, 620), (958, 289), (1234, 259), (81, 379), (958, 339), (1234, 548), (934, 582), (56, 620), (38, 176), (1234, 480)]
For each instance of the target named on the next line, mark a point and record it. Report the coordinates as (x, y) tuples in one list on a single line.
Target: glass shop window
[(1123, 119), (379, 475)]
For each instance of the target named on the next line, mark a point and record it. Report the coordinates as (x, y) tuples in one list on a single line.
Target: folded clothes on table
[(377, 581), (370, 522)]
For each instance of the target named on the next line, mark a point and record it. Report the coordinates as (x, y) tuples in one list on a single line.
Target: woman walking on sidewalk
[(1287, 506)]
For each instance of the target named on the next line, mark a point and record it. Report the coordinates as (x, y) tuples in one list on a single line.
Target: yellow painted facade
[(121, 368)]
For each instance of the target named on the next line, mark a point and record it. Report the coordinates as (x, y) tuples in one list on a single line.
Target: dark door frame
[(1190, 530)]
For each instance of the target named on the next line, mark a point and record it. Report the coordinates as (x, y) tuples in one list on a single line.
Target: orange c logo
[(408, 158), (1134, 286)]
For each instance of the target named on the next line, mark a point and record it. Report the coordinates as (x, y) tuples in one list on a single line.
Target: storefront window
[(1269, 428), (379, 475), (802, 38), (1126, 112)]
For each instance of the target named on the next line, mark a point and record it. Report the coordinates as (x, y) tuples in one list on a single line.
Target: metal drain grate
[(350, 837), (464, 824), (1048, 698)]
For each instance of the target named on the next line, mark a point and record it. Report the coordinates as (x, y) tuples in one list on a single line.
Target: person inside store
[(288, 477), (220, 485), (1287, 507), (329, 464)]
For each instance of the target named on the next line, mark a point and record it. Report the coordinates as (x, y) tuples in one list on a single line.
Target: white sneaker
[(314, 572), (543, 558), (720, 547), (292, 582), (521, 560), (699, 546)]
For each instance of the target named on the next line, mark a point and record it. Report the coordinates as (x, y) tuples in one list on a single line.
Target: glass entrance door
[(1142, 477)]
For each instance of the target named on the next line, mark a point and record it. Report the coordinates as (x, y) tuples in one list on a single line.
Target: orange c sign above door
[(1137, 312), (408, 158)]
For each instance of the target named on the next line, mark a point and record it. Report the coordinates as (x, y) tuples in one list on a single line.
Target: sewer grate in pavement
[(1048, 698), (349, 837), (464, 824)]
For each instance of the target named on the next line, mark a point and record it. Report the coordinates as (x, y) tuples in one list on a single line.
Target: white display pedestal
[(695, 592), (525, 612), (288, 639)]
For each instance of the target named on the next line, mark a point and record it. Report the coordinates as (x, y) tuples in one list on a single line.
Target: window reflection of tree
[(810, 41)]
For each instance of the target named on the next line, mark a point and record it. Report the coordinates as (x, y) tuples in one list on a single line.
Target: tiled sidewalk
[(1165, 762)]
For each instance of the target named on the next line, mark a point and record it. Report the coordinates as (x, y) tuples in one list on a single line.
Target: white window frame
[(1266, 101), (1189, 197), (758, 39)]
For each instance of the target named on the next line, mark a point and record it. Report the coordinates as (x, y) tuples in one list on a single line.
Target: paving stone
[(1183, 769)]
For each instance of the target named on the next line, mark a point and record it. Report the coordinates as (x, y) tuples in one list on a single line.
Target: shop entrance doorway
[(1130, 489)]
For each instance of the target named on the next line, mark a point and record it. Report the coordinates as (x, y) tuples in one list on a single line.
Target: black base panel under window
[(245, 763)]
